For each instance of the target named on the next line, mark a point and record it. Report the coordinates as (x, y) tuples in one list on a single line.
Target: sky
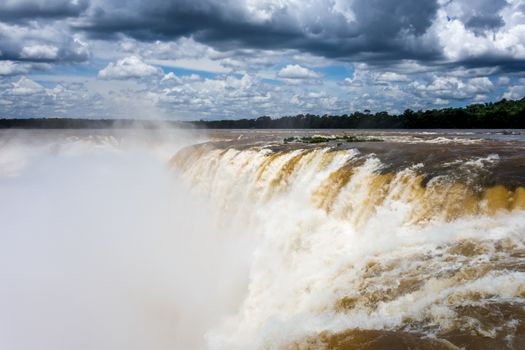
[(230, 59)]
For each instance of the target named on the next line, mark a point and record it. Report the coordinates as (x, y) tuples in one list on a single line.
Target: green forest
[(499, 115), (502, 114)]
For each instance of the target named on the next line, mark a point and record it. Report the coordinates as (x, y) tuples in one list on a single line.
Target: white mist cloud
[(102, 247)]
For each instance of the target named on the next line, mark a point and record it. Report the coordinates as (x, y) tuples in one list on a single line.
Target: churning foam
[(342, 246)]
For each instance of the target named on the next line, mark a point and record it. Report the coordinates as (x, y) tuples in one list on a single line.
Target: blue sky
[(209, 59)]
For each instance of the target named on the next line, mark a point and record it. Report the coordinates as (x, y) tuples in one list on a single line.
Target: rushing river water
[(241, 240)]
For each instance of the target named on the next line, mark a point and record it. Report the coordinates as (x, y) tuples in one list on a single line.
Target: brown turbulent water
[(416, 242), (413, 242)]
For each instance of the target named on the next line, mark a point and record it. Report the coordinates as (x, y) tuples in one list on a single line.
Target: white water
[(305, 259), (103, 246)]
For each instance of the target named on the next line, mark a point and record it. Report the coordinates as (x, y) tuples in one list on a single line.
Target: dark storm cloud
[(208, 20), (484, 22), (36, 31), (499, 63), (481, 15), (382, 29), (382, 18), (12, 11), (30, 45)]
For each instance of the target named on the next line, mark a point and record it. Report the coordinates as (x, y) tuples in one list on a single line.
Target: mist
[(103, 247)]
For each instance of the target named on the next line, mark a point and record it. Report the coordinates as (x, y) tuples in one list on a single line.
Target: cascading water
[(349, 254), (119, 241)]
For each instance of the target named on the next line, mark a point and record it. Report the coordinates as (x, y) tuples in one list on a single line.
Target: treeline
[(499, 115)]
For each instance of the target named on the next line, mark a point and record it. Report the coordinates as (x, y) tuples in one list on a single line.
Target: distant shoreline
[(504, 114)]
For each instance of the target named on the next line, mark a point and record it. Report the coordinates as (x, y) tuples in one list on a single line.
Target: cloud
[(12, 68), (381, 29), (453, 88), (380, 32), (199, 64), (478, 15), (473, 32), (15, 10), (240, 58), (23, 97), (39, 52), (515, 92), (171, 78), (503, 81), (483, 45), (41, 43), (295, 71), (130, 67), (24, 86), (392, 77)]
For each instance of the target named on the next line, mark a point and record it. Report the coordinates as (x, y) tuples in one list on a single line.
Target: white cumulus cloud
[(39, 52), (295, 71), (131, 67), (392, 77), (12, 68), (25, 86)]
